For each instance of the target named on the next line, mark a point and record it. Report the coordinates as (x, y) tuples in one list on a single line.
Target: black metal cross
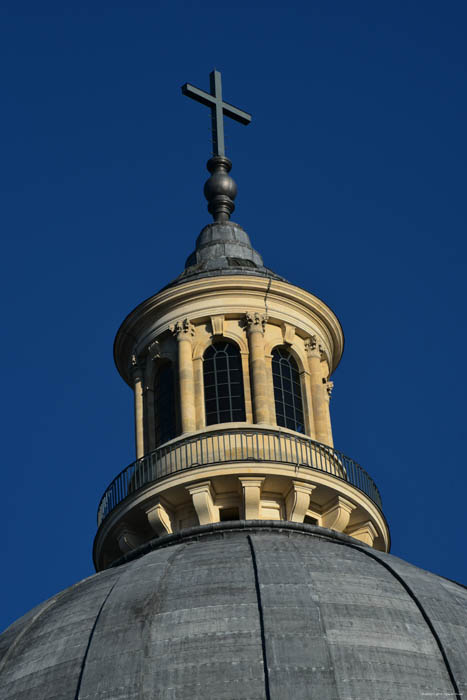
[(218, 109)]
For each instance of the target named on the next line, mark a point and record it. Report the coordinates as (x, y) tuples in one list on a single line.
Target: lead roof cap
[(224, 248)]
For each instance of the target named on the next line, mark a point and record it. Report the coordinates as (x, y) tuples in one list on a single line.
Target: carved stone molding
[(136, 366), (182, 329), (255, 321), (297, 501), (158, 517), (217, 324), (336, 514), (127, 539), (201, 495), (313, 347), (251, 487), (288, 333), (365, 532), (329, 387)]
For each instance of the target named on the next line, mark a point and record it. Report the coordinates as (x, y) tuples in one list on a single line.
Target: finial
[(220, 190)]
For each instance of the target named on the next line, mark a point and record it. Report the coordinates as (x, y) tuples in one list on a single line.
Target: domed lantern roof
[(241, 611)]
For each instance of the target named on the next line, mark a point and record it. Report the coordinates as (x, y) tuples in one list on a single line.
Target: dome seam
[(261, 619), (421, 609), (48, 605), (91, 635)]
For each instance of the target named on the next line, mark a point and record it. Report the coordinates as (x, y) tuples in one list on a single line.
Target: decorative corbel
[(158, 516), (251, 487), (127, 539), (365, 532), (201, 495), (336, 514), (297, 501)]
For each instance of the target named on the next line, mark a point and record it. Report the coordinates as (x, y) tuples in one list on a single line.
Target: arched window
[(223, 384), (164, 403), (287, 390)]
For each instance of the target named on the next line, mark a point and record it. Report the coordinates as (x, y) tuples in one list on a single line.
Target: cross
[(218, 109)]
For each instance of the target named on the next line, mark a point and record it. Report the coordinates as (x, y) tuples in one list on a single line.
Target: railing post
[(234, 445)]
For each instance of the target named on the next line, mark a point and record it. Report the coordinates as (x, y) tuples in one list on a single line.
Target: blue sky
[(352, 180)]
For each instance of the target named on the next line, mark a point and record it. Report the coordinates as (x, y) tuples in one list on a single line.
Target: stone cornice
[(214, 293)]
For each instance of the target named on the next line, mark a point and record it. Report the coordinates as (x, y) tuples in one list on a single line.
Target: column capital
[(313, 347), (329, 386), (136, 367), (255, 321), (183, 330)]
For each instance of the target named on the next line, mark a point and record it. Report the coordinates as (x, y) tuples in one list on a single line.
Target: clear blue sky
[(352, 181)]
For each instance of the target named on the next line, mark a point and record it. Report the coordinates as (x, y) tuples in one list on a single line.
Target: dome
[(244, 610), (224, 248)]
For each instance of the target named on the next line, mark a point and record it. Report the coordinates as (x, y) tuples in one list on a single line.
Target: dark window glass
[(287, 391), (229, 514), (164, 404), (223, 384)]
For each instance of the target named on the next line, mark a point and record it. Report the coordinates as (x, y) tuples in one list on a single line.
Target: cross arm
[(237, 114), (210, 101), (199, 95)]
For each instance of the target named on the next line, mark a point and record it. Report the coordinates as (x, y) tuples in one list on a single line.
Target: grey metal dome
[(244, 610), (224, 248)]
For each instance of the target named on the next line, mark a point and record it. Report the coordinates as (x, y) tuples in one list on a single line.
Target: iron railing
[(234, 445)]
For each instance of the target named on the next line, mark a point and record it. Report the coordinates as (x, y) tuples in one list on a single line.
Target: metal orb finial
[(220, 189)]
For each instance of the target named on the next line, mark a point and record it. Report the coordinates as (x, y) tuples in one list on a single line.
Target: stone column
[(247, 386), (270, 383), (255, 330), (184, 331), (199, 392), (319, 398), (138, 387), (328, 387)]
